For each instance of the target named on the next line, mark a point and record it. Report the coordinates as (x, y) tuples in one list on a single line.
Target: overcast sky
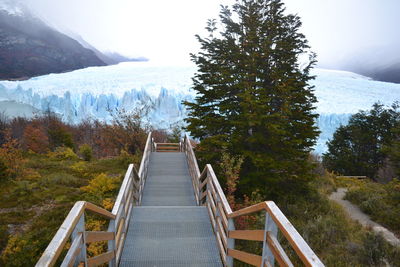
[(163, 30)]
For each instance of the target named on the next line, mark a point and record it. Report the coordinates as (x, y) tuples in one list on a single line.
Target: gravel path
[(356, 214)]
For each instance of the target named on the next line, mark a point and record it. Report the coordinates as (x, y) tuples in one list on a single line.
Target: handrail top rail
[(147, 146)]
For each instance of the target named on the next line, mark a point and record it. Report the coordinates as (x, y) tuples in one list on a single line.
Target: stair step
[(170, 236)]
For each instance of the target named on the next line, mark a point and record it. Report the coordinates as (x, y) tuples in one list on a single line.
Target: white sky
[(163, 30)]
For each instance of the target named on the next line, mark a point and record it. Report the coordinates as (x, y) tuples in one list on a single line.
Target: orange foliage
[(12, 156), (35, 139)]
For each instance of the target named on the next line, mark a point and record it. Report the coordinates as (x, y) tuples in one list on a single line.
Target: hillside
[(29, 47)]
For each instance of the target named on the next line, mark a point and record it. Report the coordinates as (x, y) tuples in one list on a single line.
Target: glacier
[(93, 92)]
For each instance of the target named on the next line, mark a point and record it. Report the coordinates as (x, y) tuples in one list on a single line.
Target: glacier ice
[(92, 92)]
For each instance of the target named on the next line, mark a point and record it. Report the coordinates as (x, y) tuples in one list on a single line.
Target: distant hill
[(381, 63), (29, 47)]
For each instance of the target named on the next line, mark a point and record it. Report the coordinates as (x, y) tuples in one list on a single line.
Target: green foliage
[(357, 148), (254, 99), (374, 250), (393, 151), (63, 153), (4, 172), (59, 136), (176, 134), (101, 187), (380, 201), (3, 236), (86, 152)]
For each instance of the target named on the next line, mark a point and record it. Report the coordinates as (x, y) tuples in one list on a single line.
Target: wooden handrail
[(209, 193), (73, 226)]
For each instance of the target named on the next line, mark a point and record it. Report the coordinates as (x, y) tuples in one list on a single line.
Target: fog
[(164, 30)]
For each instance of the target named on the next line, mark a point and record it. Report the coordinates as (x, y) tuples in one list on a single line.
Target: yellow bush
[(108, 203), (80, 167), (63, 153), (101, 185)]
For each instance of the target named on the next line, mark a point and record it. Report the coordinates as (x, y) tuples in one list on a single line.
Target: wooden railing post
[(111, 244), (231, 243), (80, 229), (270, 227)]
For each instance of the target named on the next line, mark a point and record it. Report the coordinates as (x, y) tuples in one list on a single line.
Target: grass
[(33, 206)]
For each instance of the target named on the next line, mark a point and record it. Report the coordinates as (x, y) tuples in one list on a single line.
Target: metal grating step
[(170, 236), (168, 182)]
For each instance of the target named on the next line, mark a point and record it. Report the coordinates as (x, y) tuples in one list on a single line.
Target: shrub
[(64, 153), (86, 152), (4, 172), (61, 178), (374, 250), (35, 139), (101, 186)]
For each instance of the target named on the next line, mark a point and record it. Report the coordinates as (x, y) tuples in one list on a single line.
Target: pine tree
[(253, 96)]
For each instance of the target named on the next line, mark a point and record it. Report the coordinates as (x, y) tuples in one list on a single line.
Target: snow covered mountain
[(29, 47), (92, 92)]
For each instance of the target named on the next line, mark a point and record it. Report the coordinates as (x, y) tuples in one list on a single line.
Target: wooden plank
[(168, 144), (249, 210), (221, 248), (245, 257), (211, 201), (203, 195), (120, 231), (280, 255), (302, 249), (203, 184), (354, 177), (212, 218), (120, 249), (103, 258), (252, 235), (98, 236), (222, 232), (223, 216), (98, 210), (73, 251), (54, 249)]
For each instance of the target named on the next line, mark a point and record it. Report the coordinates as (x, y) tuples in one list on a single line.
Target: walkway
[(356, 214), (169, 229)]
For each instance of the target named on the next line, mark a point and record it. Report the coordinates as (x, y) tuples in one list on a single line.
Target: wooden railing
[(209, 193), (168, 147), (73, 227)]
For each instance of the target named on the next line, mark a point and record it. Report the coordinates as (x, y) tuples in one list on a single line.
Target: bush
[(4, 172), (374, 250), (61, 178), (86, 152), (64, 153), (101, 187)]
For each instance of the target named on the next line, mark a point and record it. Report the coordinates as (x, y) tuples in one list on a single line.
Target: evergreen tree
[(254, 97), (360, 148)]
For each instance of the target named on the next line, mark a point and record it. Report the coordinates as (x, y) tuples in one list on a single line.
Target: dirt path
[(356, 214)]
